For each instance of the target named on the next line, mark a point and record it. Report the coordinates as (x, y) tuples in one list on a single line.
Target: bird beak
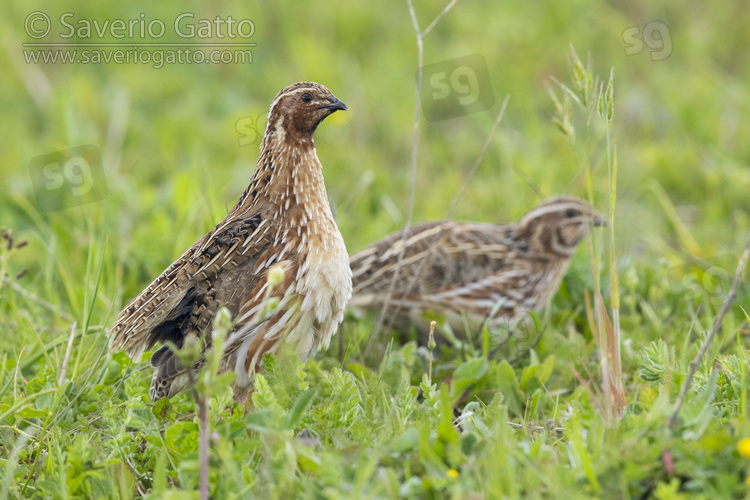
[(337, 105), (599, 220)]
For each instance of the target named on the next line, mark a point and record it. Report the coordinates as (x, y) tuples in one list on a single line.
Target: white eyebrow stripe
[(539, 211)]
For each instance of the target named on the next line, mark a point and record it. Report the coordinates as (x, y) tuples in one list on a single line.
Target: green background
[(177, 148)]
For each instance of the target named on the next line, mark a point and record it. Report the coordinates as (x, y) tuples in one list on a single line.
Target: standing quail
[(282, 220)]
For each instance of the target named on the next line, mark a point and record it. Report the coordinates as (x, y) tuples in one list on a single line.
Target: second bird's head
[(557, 226), (299, 108)]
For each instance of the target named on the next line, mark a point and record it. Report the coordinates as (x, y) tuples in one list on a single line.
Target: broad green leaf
[(466, 374), (301, 404)]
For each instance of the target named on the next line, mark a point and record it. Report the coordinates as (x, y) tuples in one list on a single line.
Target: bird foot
[(246, 401)]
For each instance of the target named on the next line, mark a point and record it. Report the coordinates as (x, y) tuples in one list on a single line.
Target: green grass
[(349, 425)]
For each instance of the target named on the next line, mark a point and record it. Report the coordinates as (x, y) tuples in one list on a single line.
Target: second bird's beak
[(337, 105), (599, 220)]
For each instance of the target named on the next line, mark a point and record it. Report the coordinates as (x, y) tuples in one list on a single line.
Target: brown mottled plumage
[(283, 218), (481, 272)]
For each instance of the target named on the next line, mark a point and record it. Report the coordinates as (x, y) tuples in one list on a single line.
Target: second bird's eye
[(306, 97), (570, 213)]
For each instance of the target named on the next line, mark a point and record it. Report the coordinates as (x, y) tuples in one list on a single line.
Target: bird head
[(559, 224), (299, 108)]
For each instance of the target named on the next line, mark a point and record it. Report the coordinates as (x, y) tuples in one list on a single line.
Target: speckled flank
[(467, 270), (283, 218)]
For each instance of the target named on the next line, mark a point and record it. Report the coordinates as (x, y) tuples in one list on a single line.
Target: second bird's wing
[(438, 257)]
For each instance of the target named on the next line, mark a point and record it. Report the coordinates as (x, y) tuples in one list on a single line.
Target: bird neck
[(542, 241), (288, 180)]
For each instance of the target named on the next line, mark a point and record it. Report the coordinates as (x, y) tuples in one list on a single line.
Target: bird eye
[(570, 213), (306, 97)]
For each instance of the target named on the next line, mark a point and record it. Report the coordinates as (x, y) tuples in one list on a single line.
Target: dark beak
[(336, 105), (599, 220)]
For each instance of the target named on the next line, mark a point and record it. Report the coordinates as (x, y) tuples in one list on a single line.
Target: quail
[(281, 221), (470, 273)]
